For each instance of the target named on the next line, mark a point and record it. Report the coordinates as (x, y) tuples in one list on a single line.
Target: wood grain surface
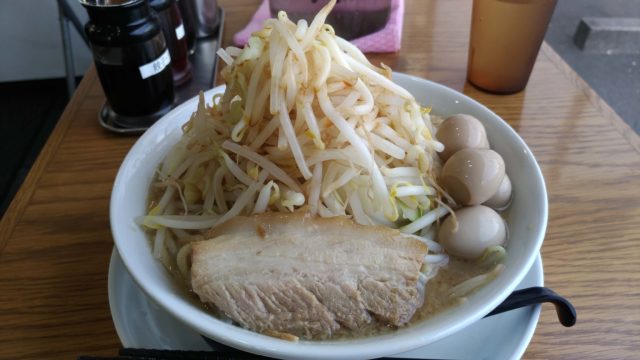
[(55, 241)]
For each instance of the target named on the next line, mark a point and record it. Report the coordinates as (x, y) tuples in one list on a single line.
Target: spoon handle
[(537, 295)]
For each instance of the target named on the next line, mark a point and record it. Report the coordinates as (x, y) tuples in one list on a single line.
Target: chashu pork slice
[(308, 276)]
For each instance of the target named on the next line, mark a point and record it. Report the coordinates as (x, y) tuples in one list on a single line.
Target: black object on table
[(538, 295), (203, 63), (131, 59), (150, 354)]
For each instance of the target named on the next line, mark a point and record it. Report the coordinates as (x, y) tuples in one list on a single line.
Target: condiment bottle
[(174, 31), (190, 21), (131, 56)]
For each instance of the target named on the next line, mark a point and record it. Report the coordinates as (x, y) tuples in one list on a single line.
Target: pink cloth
[(387, 39)]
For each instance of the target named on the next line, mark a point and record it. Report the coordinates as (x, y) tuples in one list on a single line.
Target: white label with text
[(180, 32), (156, 65)]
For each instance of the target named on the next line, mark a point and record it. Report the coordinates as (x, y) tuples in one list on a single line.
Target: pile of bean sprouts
[(305, 121)]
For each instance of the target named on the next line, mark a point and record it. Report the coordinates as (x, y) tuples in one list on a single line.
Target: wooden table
[(55, 241)]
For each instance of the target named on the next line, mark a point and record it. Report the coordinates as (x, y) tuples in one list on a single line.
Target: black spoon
[(538, 295)]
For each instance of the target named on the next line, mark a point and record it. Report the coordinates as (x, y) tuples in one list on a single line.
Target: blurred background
[(604, 50)]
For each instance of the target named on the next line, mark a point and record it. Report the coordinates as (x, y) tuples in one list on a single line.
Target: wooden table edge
[(608, 113), (23, 195)]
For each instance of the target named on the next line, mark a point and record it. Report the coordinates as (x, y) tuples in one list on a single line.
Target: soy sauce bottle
[(131, 56), (189, 19), (174, 32)]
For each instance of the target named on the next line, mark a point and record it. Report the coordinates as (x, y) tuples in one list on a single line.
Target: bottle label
[(156, 66), (180, 32)]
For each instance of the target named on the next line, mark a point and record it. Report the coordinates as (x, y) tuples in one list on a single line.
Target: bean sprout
[(305, 121)]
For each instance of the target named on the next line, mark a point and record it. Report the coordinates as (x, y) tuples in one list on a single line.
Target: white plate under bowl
[(140, 323), (526, 218)]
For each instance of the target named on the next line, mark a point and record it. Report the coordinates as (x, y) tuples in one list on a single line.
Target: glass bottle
[(131, 56), (189, 19), (174, 31)]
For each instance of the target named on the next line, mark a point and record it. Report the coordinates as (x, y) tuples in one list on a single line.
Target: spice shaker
[(174, 31), (131, 58)]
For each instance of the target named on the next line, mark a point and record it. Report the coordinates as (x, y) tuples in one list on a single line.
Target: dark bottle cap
[(116, 12), (160, 5), (119, 22)]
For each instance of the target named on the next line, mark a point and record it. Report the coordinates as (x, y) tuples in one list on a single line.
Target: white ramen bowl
[(526, 219)]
